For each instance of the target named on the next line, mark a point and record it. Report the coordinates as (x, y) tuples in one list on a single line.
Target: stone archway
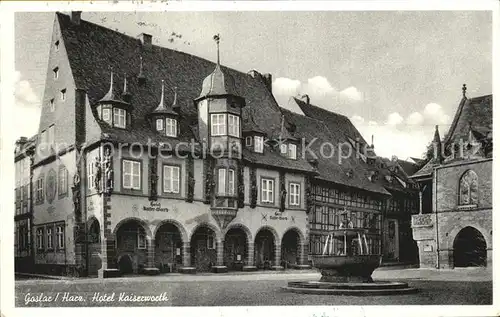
[(168, 247), (203, 248), (131, 246), (469, 248), (291, 248), (265, 248), (235, 248)]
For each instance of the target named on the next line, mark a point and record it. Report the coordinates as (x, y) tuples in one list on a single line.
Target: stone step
[(352, 292)]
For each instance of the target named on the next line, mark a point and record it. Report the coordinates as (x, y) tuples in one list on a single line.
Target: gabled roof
[(92, 49), (331, 169), (477, 111)]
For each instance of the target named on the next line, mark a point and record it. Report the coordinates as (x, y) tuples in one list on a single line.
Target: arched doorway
[(235, 249), (469, 248), (131, 247), (94, 247), (264, 249), (290, 248), (203, 249), (168, 248)]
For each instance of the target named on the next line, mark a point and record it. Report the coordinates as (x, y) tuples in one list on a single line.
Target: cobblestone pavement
[(444, 287)]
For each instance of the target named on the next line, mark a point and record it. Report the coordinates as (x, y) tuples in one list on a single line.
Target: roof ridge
[(321, 108)]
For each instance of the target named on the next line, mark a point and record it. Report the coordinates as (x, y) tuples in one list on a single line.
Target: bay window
[(222, 181), (234, 125), (159, 124), (131, 174), (218, 124), (106, 115), (292, 151)]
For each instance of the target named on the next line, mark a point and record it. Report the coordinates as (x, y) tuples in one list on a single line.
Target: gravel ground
[(452, 287)]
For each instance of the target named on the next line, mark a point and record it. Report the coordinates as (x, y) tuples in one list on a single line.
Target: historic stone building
[(152, 160), (454, 225)]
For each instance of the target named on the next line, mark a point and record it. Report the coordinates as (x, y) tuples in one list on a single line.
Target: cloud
[(403, 137), (27, 108), (320, 90)]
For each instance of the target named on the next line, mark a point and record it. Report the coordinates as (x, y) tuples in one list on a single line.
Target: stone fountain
[(347, 263)]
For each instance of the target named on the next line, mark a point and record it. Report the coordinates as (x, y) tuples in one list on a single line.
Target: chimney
[(146, 40), (305, 98), (76, 17), (268, 79)]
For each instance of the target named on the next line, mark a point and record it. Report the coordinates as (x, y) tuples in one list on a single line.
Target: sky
[(394, 74)]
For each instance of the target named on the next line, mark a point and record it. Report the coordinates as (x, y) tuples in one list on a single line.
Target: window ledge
[(467, 206)]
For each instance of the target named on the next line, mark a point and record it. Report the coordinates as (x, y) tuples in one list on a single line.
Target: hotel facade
[(151, 160)]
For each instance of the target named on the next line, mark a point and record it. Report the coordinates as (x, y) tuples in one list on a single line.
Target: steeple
[(111, 95), (162, 108), (437, 146), (219, 82)]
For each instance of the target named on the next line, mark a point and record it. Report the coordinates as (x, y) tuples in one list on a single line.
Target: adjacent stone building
[(152, 160), (454, 225)]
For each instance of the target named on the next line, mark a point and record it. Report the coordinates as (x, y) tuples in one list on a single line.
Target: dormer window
[(52, 105), (56, 44), (63, 94), (292, 151), (283, 149), (171, 127), (259, 144), (159, 124), (248, 141), (56, 72), (119, 118), (106, 115)]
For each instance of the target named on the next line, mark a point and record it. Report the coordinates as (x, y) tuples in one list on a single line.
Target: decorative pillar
[(277, 257), (250, 265), (420, 202), (220, 267), (108, 257), (150, 268), (186, 259)]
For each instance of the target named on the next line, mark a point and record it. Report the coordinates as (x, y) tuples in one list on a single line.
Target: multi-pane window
[(218, 121), (39, 189), (171, 127), (234, 125), (106, 115), (230, 182), (171, 179), (50, 242), (131, 174), (468, 192), (222, 181), (39, 238), (294, 194), (63, 181), (159, 124), (259, 144), (292, 151), (267, 190), (60, 236), (90, 175), (63, 94), (283, 149), (248, 141), (52, 105), (119, 118)]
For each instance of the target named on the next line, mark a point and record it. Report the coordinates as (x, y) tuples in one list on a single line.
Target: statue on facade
[(283, 199), (109, 178), (97, 174)]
